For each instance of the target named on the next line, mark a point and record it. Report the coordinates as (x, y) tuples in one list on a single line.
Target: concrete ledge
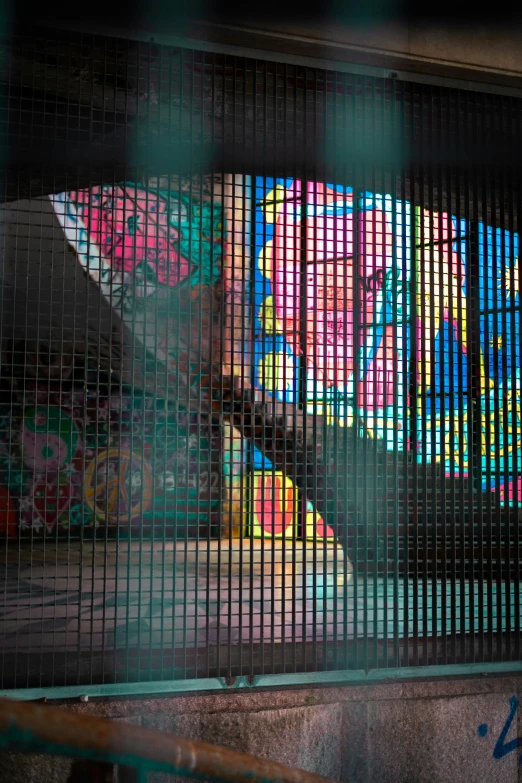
[(428, 730)]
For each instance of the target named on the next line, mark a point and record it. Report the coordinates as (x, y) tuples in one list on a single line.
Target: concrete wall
[(473, 51), (437, 41), (401, 732)]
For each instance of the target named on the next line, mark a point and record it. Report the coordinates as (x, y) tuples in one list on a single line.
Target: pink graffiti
[(43, 451), (510, 490), (51, 500), (131, 226), (330, 287)]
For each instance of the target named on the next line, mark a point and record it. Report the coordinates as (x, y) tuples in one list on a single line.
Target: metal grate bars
[(260, 368)]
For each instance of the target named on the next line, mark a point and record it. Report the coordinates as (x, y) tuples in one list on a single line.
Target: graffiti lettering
[(503, 748), (204, 482)]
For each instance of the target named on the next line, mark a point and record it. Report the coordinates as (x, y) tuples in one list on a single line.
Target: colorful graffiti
[(86, 457), (234, 500), (49, 438), (78, 458), (275, 510), (144, 237), (118, 484), (156, 255), (349, 366), (131, 226), (330, 292), (354, 338)]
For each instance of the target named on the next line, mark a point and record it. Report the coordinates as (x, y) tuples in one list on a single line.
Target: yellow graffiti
[(440, 297), (273, 202), (335, 417), (507, 438), (110, 487), (512, 280), (268, 318), (264, 260), (370, 426), (273, 510), (276, 371), (331, 412)]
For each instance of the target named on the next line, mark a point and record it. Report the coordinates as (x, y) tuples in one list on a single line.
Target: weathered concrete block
[(216, 727), (33, 768), (309, 738), (425, 730), (355, 742), (431, 741)]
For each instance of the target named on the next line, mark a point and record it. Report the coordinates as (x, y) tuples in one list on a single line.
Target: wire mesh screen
[(260, 369)]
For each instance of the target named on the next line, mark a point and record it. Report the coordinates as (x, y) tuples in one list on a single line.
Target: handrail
[(38, 728)]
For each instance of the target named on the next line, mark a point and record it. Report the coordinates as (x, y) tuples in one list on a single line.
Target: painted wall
[(156, 256), (398, 322), (76, 459), (105, 361)]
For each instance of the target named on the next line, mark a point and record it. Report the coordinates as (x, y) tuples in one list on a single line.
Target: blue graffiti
[(502, 748)]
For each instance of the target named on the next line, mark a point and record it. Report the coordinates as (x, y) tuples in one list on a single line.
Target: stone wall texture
[(394, 732)]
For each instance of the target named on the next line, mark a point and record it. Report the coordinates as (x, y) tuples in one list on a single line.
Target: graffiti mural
[(143, 238), (275, 510), (118, 485), (343, 374), (79, 458), (234, 500), (362, 310), (131, 226), (156, 255), (155, 252)]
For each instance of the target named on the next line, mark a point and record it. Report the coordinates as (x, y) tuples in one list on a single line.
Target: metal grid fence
[(260, 369)]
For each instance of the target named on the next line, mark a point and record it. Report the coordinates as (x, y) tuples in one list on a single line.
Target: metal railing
[(38, 728)]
